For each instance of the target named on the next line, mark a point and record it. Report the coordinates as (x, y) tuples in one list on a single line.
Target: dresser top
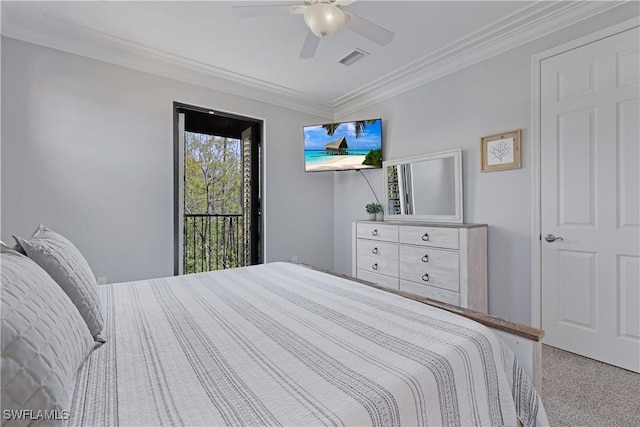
[(424, 224)]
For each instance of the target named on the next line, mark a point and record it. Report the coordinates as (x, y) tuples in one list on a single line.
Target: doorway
[(217, 190), (587, 294)]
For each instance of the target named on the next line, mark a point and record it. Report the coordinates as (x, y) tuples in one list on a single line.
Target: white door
[(590, 183)]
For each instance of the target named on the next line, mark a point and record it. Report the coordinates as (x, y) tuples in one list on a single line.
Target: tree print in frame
[(501, 152)]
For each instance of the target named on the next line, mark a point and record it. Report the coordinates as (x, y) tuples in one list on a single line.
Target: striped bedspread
[(281, 344)]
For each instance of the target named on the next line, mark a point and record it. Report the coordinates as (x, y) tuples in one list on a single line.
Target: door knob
[(551, 238)]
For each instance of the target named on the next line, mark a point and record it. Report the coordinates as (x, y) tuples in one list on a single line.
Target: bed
[(283, 344)]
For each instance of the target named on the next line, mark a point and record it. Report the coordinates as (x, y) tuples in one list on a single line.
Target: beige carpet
[(577, 391)]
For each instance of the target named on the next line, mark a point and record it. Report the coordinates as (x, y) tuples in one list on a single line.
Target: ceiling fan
[(324, 18)]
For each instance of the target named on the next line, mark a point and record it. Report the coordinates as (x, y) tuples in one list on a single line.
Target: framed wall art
[(501, 152)]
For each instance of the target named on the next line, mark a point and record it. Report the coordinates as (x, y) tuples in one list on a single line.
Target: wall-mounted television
[(343, 146)]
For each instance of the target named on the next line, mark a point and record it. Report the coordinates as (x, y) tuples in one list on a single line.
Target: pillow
[(16, 248), (44, 342), (66, 265)]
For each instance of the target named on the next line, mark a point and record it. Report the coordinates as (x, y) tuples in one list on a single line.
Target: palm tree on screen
[(359, 127)]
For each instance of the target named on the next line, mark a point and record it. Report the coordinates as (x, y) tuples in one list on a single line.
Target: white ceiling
[(205, 43)]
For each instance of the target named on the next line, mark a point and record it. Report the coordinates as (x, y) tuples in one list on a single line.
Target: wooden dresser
[(445, 262)]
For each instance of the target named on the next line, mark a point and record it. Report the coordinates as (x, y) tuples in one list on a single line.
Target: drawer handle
[(425, 238), (374, 232), (375, 266), (425, 277), (425, 258), (375, 251)]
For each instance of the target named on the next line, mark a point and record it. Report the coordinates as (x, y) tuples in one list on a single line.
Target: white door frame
[(536, 143)]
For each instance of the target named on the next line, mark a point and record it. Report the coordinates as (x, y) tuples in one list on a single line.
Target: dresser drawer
[(377, 265), (430, 236), (430, 292), (380, 279), (384, 232), (429, 266), (377, 249), (445, 262)]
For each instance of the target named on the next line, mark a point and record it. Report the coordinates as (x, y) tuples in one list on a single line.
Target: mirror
[(425, 188)]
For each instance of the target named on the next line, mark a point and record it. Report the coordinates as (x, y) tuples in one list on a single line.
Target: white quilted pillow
[(44, 342), (64, 262)]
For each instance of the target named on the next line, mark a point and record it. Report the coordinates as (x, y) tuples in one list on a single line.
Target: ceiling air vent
[(354, 56)]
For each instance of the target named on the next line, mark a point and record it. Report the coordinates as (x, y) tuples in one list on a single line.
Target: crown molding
[(529, 24), (55, 34)]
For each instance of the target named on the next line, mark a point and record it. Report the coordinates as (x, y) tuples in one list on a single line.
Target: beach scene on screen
[(343, 146)]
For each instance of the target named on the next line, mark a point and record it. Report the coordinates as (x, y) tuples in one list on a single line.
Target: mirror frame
[(458, 216)]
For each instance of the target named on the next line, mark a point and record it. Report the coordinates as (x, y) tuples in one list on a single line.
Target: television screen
[(343, 146)]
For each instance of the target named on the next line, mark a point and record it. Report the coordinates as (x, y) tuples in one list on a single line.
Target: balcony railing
[(212, 242)]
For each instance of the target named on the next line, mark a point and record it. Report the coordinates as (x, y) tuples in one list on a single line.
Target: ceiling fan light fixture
[(324, 19)]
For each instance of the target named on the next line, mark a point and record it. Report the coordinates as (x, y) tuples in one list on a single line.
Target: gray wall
[(87, 149), (455, 112)]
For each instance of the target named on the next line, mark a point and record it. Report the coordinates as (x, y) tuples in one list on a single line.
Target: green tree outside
[(213, 192)]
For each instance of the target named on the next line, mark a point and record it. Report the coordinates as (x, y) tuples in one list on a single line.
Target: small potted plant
[(373, 209)]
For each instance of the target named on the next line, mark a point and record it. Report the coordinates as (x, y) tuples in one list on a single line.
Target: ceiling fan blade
[(368, 29), (299, 10), (310, 45), (261, 10)]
